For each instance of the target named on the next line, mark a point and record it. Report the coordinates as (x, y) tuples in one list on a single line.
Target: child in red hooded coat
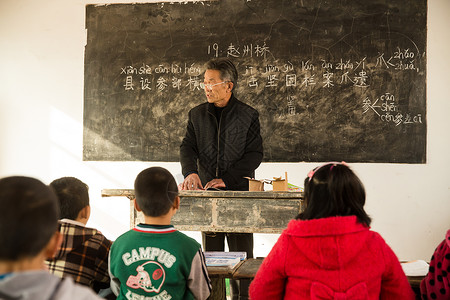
[(329, 251)]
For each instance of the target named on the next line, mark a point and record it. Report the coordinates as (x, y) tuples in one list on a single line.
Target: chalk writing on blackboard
[(386, 108), (326, 74), (339, 80)]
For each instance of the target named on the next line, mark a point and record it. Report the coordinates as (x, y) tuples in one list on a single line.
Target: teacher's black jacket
[(230, 149)]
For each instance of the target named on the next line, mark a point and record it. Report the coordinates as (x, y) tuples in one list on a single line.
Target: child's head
[(155, 190), (72, 194), (334, 190), (28, 217)]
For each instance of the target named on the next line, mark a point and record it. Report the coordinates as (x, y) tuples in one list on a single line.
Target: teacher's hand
[(192, 182), (215, 183)]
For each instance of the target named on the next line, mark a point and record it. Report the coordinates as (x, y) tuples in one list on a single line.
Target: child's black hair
[(29, 216), (72, 194), (155, 190), (334, 190)]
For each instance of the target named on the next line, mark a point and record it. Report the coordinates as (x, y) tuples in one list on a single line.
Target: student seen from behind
[(83, 254), (436, 284), (29, 215), (154, 259), (329, 251)]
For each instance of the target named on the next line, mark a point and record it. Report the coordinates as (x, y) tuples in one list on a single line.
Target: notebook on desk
[(224, 259), (415, 268)]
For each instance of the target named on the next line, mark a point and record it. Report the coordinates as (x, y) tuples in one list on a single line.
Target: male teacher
[(222, 145)]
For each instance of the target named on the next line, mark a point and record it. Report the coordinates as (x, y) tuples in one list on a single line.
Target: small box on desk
[(280, 184), (255, 185)]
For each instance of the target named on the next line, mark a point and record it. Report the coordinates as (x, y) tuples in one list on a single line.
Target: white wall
[(41, 95)]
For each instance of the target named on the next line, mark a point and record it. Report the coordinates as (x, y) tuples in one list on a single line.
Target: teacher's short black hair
[(155, 190), (334, 190), (29, 215)]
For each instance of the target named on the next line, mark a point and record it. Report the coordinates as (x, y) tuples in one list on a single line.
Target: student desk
[(226, 211), (217, 276)]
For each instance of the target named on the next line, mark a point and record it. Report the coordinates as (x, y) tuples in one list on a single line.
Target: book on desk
[(224, 259), (415, 268)]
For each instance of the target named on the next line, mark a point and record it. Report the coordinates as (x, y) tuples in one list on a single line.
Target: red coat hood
[(329, 242)]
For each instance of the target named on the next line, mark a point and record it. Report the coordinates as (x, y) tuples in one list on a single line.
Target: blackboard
[(332, 80)]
